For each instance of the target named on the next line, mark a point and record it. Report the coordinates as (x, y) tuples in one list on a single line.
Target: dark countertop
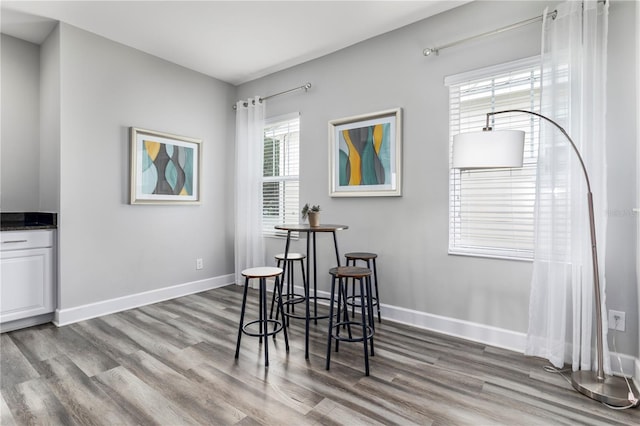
[(28, 221)]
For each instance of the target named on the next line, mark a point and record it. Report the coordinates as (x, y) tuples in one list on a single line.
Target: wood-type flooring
[(172, 363)]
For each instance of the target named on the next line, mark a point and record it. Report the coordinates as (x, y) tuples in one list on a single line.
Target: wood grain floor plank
[(172, 363), (145, 338), (200, 401), (259, 403), (328, 412), (33, 403), (6, 418), (14, 366), (85, 355), (141, 400), (86, 403), (110, 340), (37, 343), (283, 388)]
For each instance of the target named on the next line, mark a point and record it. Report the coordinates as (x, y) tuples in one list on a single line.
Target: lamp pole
[(611, 390)]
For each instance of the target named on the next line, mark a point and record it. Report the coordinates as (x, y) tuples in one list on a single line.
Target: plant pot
[(314, 218)]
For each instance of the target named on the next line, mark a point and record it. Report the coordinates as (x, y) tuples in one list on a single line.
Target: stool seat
[(261, 272), (350, 272), (291, 256), (361, 255)]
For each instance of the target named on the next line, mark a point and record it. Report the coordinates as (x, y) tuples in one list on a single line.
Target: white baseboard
[(105, 307), (467, 330), (494, 336)]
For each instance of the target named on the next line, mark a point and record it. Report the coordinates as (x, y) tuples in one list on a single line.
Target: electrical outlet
[(199, 264), (616, 320)]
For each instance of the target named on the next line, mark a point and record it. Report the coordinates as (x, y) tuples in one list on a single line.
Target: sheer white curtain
[(249, 243), (574, 57)]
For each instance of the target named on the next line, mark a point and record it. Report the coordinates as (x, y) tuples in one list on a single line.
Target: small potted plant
[(313, 213)]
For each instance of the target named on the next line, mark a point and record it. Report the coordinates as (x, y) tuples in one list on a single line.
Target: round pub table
[(311, 232)]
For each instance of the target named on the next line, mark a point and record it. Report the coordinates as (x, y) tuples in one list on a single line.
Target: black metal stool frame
[(351, 260), (262, 320), (292, 298), (366, 316)]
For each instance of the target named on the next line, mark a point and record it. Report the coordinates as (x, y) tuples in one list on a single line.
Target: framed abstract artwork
[(165, 168), (365, 154)]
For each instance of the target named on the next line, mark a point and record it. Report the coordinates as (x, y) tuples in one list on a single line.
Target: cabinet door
[(26, 287)]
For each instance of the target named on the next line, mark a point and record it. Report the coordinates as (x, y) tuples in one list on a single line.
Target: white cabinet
[(27, 275)]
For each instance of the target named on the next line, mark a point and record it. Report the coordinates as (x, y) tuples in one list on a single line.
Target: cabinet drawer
[(22, 240)]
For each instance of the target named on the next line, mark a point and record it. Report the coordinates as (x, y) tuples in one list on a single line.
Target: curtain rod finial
[(429, 50)]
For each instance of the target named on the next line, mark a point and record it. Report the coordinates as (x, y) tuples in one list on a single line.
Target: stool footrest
[(316, 316), (374, 301), (292, 300), (277, 324), (370, 332)]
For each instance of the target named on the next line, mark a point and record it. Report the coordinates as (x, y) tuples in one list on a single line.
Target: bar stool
[(341, 273), (262, 273), (368, 258), (291, 298)]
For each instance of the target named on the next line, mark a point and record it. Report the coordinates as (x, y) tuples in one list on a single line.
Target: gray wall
[(50, 123), (621, 155), (108, 248), (20, 149), (411, 233)]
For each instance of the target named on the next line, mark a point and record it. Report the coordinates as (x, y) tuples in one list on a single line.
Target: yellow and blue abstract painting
[(165, 168), (365, 155)]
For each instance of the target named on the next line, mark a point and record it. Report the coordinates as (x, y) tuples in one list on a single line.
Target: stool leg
[(244, 304), (260, 317), (284, 327), (353, 292), (330, 333), (273, 298), (340, 297), (364, 329), (375, 278), (304, 282), (263, 315), (345, 306), (369, 297), (372, 321), (290, 287), (315, 282)]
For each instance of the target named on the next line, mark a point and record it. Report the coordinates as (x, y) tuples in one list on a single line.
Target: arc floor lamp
[(504, 148)]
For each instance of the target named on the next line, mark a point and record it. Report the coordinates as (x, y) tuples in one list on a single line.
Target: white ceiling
[(234, 41)]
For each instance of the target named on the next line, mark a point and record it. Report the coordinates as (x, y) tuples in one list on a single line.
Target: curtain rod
[(304, 87), (429, 50)]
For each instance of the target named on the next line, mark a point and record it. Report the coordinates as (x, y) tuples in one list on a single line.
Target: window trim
[(516, 254), (270, 121)]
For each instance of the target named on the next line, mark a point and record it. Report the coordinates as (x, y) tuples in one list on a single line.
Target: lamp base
[(612, 390)]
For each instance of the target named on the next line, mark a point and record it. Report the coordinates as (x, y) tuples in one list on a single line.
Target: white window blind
[(491, 211), (281, 183)]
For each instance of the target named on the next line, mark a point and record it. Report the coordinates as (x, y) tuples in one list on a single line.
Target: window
[(280, 184), (491, 211)]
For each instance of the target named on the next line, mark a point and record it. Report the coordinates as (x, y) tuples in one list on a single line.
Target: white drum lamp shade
[(488, 149)]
